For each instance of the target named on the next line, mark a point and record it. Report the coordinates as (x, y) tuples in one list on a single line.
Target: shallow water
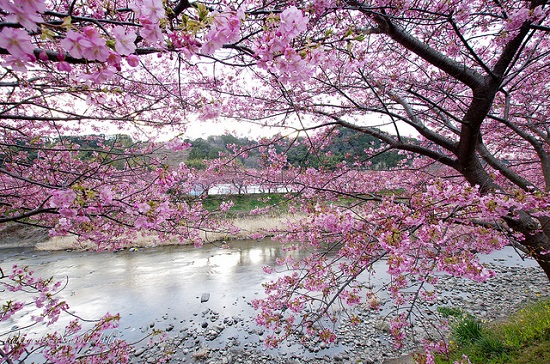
[(164, 285), (149, 283)]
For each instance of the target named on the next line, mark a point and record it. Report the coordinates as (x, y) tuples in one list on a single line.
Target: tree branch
[(456, 70), (24, 215), (511, 48), (422, 129), (513, 177), (394, 143)]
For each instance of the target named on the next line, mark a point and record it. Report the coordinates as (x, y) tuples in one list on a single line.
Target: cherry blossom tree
[(467, 78), (36, 297)]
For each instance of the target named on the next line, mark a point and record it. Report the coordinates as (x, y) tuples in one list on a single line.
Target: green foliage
[(246, 202), (201, 149), (93, 147), (528, 324), (88, 147), (491, 346), (195, 163), (8, 152), (524, 338), (467, 329), (211, 148), (538, 353), (343, 145), (450, 311)]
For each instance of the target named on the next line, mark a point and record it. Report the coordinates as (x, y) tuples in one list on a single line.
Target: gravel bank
[(214, 338)]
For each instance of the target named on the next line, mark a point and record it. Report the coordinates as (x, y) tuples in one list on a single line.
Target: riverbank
[(368, 342), (23, 236), (258, 225), (14, 235), (154, 296)]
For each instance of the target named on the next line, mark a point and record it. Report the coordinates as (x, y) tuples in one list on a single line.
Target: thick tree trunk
[(536, 230), (537, 237)]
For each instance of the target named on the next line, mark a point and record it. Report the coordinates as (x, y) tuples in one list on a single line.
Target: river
[(163, 286)]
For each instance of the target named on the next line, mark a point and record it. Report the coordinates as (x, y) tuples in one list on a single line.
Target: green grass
[(450, 311), (524, 338), (468, 330), (244, 203), (247, 202)]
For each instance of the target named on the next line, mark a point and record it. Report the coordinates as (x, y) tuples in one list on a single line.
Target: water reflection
[(166, 281), (150, 283)]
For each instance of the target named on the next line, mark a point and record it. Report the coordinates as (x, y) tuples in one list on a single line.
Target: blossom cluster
[(294, 65), (39, 298), (419, 233)]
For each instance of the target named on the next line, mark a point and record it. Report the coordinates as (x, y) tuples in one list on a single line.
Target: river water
[(163, 286)]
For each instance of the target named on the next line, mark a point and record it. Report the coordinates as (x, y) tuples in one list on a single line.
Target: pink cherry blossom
[(101, 75), (293, 22), (22, 16), (17, 42), (30, 6), (124, 41), (106, 195), (74, 43), (225, 29), (63, 198), (151, 9), (517, 19), (177, 144), (151, 31), (87, 44), (114, 60), (64, 66), (132, 60), (25, 12), (96, 47), (210, 111), (16, 64), (154, 9), (43, 56)]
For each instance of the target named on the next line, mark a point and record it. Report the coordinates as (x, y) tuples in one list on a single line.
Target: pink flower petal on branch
[(17, 42), (293, 22), (114, 60), (62, 198), (132, 60), (15, 64), (124, 41), (152, 9), (225, 30), (64, 67), (27, 20), (74, 43), (101, 76), (24, 12), (97, 49)]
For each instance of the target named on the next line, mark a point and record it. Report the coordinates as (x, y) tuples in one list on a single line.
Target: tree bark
[(536, 231)]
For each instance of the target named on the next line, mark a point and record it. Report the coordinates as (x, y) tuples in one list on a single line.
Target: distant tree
[(203, 149), (342, 145)]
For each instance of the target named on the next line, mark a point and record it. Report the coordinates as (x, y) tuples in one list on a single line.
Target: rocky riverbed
[(225, 332), (213, 337)]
